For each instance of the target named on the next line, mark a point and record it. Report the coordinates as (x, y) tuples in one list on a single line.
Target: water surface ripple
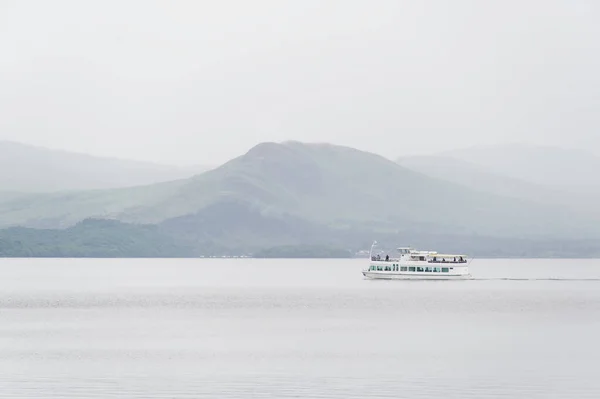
[(296, 328)]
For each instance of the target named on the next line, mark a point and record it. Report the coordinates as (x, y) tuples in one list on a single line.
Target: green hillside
[(64, 209), (317, 184), (343, 187), (247, 232), (91, 238)]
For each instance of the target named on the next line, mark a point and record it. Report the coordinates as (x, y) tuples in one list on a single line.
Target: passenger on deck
[(461, 259), (378, 257), (387, 258)]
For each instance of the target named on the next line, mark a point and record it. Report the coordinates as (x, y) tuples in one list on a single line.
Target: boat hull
[(387, 275)]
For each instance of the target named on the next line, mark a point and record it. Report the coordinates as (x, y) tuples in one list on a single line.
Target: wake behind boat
[(411, 264)]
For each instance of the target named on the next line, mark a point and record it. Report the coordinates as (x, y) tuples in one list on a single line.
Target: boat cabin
[(408, 255), (413, 264)]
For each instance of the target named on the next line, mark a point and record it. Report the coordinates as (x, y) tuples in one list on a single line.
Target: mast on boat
[(371, 251)]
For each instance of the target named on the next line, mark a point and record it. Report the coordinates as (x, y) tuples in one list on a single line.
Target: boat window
[(421, 258), (419, 269), (436, 269), (444, 270), (379, 268), (427, 269), (411, 269), (403, 269)]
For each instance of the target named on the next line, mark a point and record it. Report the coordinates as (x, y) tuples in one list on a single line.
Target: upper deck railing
[(434, 259)]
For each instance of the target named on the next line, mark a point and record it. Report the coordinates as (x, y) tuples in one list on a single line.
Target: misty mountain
[(322, 185), (480, 178), (340, 186), (542, 165), (25, 168), (474, 176)]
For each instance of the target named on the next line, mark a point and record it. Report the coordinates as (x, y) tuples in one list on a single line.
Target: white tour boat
[(411, 264)]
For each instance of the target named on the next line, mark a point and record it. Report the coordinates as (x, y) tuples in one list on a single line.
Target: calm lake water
[(296, 328)]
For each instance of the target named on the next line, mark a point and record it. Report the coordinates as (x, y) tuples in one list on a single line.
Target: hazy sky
[(203, 81)]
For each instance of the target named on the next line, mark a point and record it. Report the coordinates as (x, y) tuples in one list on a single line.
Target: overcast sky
[(199, 82)]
